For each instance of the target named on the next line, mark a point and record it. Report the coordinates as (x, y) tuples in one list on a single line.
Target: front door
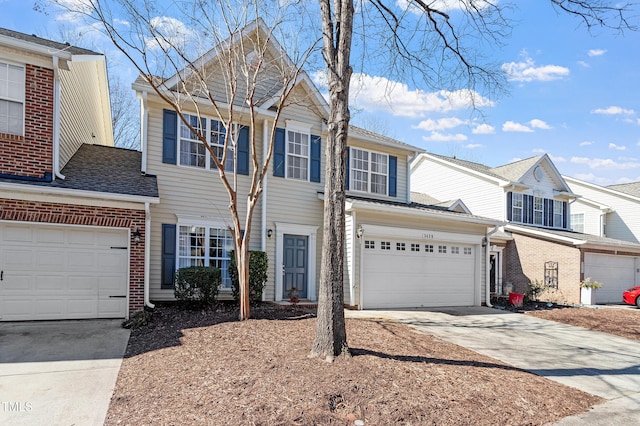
[(295, 266), (492, 274)]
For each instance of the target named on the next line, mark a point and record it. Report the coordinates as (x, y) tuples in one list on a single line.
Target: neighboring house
[(72, 207), (537, 243), (398, 253)]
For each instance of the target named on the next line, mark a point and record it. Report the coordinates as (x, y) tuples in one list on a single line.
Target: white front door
[(62, 272), (616, 273), (400, 273)]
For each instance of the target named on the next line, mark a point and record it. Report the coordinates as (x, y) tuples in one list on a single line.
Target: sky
[(571, 94)]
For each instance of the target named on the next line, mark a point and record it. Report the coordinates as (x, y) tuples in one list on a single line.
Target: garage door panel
[(616, 273), (62, 272), (419, 275)]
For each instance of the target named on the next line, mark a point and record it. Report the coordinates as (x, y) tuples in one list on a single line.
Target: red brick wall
[(31, 155), (524, 260), (31, 211)]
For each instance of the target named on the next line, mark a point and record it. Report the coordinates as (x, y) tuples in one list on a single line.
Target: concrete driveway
[(59, 372), (597, 363)]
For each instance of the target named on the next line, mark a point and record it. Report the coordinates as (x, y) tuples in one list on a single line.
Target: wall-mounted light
[(136, 235), (269, 233), (359, 232)]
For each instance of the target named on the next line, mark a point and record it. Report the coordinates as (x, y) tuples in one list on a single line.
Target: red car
[(632, 296)]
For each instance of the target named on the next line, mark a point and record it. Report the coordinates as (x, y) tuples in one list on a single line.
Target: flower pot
[(587, 296), (516, 299)]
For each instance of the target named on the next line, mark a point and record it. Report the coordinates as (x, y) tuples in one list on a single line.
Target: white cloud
[(539, 124), (474, 145), (483, 129), (538, 151), (586, 143), (168, 32), (557, 159), (613, 110), (444, 137), (596, 52), (590, 177), (380, 94), (597, 163), (440, 124), (584, 64), (526, 70), (618, 147), (512, 126)]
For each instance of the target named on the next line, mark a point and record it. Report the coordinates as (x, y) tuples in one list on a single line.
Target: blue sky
[(572, 94)]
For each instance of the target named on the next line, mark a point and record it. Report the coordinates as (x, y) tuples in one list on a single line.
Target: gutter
[(77, 193), (487, 265), (147, 255), (56, 120)]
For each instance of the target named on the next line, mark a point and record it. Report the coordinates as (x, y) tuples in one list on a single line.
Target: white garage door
[(62, 272), (404, 273), (617, 273)]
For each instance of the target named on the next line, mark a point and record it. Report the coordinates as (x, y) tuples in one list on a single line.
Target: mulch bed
[(204, 367)]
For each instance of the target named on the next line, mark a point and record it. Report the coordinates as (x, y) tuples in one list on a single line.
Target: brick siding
[(70, 214), (31, 155), (524, 260)]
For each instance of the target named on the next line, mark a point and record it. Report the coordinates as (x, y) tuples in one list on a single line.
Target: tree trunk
[(242, 261), (331, 335)]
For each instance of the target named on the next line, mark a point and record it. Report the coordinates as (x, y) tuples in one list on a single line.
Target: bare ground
[(204, 367)]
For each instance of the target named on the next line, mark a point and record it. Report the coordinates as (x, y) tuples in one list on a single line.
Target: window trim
[(23, 101), (207, 225), (581, 222), (230, 166), (369, 172)]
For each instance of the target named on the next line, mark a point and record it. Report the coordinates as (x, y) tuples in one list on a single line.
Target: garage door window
[(385, 245), (415, 247), (455, 250), (369, 244), (442, 249), (428, 248), (205, 246), (467, 250), (400, 246)]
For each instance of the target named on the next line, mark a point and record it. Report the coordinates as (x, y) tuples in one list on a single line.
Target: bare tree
[(125, 115), (218, 56), (435, 44)]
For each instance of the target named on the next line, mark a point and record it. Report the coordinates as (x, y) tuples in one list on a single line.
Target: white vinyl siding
[(12, 93)]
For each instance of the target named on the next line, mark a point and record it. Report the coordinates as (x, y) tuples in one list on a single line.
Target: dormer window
[(12, 88)]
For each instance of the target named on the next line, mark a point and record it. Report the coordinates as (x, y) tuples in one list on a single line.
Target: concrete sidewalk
[(597, 363), (59, 372)]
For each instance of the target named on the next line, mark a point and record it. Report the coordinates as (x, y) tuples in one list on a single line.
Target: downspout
[(147, 255), (487, 265), (263, 213), (144, 120), (56, 120)]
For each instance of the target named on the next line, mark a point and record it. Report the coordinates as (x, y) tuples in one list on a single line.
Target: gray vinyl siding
[(188, 191), (82, 108), (483, 197)]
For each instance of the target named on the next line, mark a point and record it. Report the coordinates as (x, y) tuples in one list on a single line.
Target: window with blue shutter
[(314, 159), (279, 153), (168, 255), (242, 151), (169, 137)]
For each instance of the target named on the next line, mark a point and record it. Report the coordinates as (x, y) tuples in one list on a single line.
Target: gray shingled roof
[(54, 45), (632, 188), (594, 239), (511, 172), (105, 169), (419, 198), (355, 131)]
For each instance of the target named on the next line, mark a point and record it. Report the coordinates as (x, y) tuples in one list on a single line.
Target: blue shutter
[(564, 214), (347, 165), (316, 151), (530, 197), (242, 151), (393, 175), (169, 136), (509, 206), (168, 254), (279, 153)]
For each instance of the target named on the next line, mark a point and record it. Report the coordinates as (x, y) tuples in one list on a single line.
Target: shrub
[(197, 285), (258, 264), (587, 283), (535, 289)]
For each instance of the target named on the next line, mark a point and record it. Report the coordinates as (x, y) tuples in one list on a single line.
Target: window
[(192, 150), (538, 210), (385, 245), (577, 222), (297, 155), (415, 247), (467, 250), (12, 99), (428, 248), (369, 244), (205, 246), (455, 250), (551, 274), (369, 171), (442, 249), (517, 208), (400, 246), (558, 214)]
